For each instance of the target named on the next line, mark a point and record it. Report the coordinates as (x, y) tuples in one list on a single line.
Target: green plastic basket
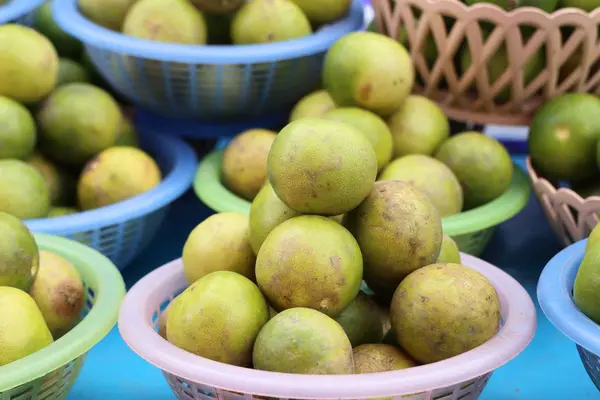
[(50, 373), (472, 230)]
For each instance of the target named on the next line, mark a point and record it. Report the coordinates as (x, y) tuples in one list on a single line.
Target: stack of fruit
[(200, 22), (409, 134), (287, 279), (41, 293), (66, 144), (259, 293)]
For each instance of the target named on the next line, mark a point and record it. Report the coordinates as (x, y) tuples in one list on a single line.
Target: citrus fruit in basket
[(78, 121), (398, 230), (586, 288), (563, 136), (318, 344), (313, 105), (418, 126), (19, 257), (585, 5), (361, 321), (218, 6), (116, 174), (59, 180), (23, 330), (218, 317), (321, 167), (107, 13), (434, 322), (65, 44), (267, 211), (18, 133), (219, 243), (267, 21), (170, 21), (324, 11), (310, 249), (58, 292), (23, 190), (449, 252), (429, 176), (481, 164), (70, 71), (244, 166), (380, 357), (372, 126), (368, 70), (28, 64)]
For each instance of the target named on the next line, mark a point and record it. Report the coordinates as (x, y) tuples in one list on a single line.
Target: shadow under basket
[(208, 82), (571, 217), (471, 230), (196, 378), (522, 58), (555, 295), (122, 230), (49, 374)]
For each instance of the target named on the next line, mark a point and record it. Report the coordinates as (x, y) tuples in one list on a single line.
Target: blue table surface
[(548, 369)]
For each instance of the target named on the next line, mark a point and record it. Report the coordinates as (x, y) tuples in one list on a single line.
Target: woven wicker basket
[(539, 60), (571, 217)]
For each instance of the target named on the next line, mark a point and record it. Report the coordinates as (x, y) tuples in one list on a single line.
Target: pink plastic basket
[(193, 378)]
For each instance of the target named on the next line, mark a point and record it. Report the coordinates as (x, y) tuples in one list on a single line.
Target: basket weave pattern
[(509, 96), (209, 91), (192, 391), (571, 217)]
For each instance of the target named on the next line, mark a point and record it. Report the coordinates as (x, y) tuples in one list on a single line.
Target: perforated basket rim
[(102, 274), (211, 191), (554, 295), (17, 8), (172, 187), (136, 328), (72, 21)]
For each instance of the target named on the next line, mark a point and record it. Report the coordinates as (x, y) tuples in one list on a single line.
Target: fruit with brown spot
[(443, 310), (218, 317), (219, 243), (310, 249), (322, 167), (303, 341), (379, 357), (58, 292), (116, 174), (244, 165), (398, 230), (370, 71)]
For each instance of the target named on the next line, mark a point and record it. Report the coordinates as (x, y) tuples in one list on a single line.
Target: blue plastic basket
[(555, 290), (121, 231), (207, 82), (18, 11)]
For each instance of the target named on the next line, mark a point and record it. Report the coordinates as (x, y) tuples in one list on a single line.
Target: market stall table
[(549, 369)]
